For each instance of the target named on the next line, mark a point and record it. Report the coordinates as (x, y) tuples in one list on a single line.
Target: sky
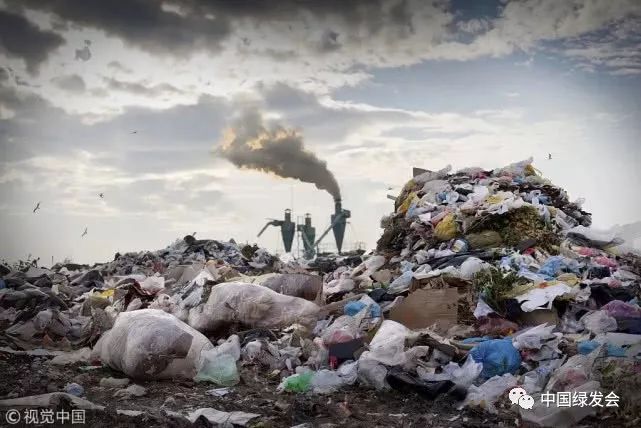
[(134, 99)]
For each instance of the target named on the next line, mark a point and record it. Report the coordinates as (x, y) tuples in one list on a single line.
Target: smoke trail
[(249, 144)]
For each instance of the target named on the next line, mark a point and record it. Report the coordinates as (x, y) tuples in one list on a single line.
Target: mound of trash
[(482, 282)]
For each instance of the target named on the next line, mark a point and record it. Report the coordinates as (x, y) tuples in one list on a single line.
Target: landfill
[(488, 300)]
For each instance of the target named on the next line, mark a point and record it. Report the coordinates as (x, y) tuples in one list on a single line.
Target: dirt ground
[(24, 375)]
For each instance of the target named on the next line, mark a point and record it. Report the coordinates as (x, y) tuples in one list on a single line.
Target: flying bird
[(549, 156), (37, 207), (84, 233), (134, 132), (102, 195)]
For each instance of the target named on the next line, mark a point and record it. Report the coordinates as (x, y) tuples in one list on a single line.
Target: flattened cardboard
[(426, 307)]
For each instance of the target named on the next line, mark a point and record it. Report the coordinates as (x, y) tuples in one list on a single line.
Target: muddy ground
[(23, 375)]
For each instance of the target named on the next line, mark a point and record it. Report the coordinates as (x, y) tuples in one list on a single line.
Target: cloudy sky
[(133, 98)]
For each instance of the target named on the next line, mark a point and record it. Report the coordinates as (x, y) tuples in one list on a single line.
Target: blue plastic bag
[(587, 346), (557, 264), (352, 308), (498, 357)]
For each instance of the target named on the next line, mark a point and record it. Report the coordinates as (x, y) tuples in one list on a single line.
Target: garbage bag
[(498, 357), (535, 380), (302, 285), (251, 305), (447, 228), (371, 373), (402, 381), (300, 382), (486, 394), (388, 345), (401, 283), (463, 376), (619, 309), (352, 308), (485, 239), (219, 364), (587, 346), (534, 338), (598, 322), (152, 344), (471, 266)]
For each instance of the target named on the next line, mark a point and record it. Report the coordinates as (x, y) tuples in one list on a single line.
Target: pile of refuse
[(482, 281)]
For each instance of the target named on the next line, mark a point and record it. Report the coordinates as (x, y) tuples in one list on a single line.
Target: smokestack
[(250, 144), (337, 206)]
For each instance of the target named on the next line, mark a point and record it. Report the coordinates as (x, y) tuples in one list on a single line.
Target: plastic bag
[(308, 287), (447, 228), (535, 380), (533, 338), (620, 309), (388, 345), (587, 346), (344, 329), (463, 376), (328, 381), (369, 266), (486, 394), (300, 382), (471, 266), (535, 298), (152, 344), (598, 322), (371, 372), (252, 305), (349, 372), (352, 308), (498, 357), (342, 284), (219, 364), (401, 283), (555, 265)]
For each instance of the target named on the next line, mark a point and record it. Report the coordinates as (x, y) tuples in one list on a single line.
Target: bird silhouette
[(102, 195), (84, 233), (549, 156), (134, 132), (37, 207)]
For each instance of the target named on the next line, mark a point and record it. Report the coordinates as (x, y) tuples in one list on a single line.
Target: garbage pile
[(482, 282)]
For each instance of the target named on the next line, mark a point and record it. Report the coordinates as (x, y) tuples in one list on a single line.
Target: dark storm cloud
[(183, 26), (72, 83), (22, 39), (143, 23), (140, 88)]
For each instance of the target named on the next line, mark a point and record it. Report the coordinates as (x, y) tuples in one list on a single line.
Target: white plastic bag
[(598, 322), (371, 372), (152, 344), (472, 266), (487, 393), (251, 305), (388, 345)]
